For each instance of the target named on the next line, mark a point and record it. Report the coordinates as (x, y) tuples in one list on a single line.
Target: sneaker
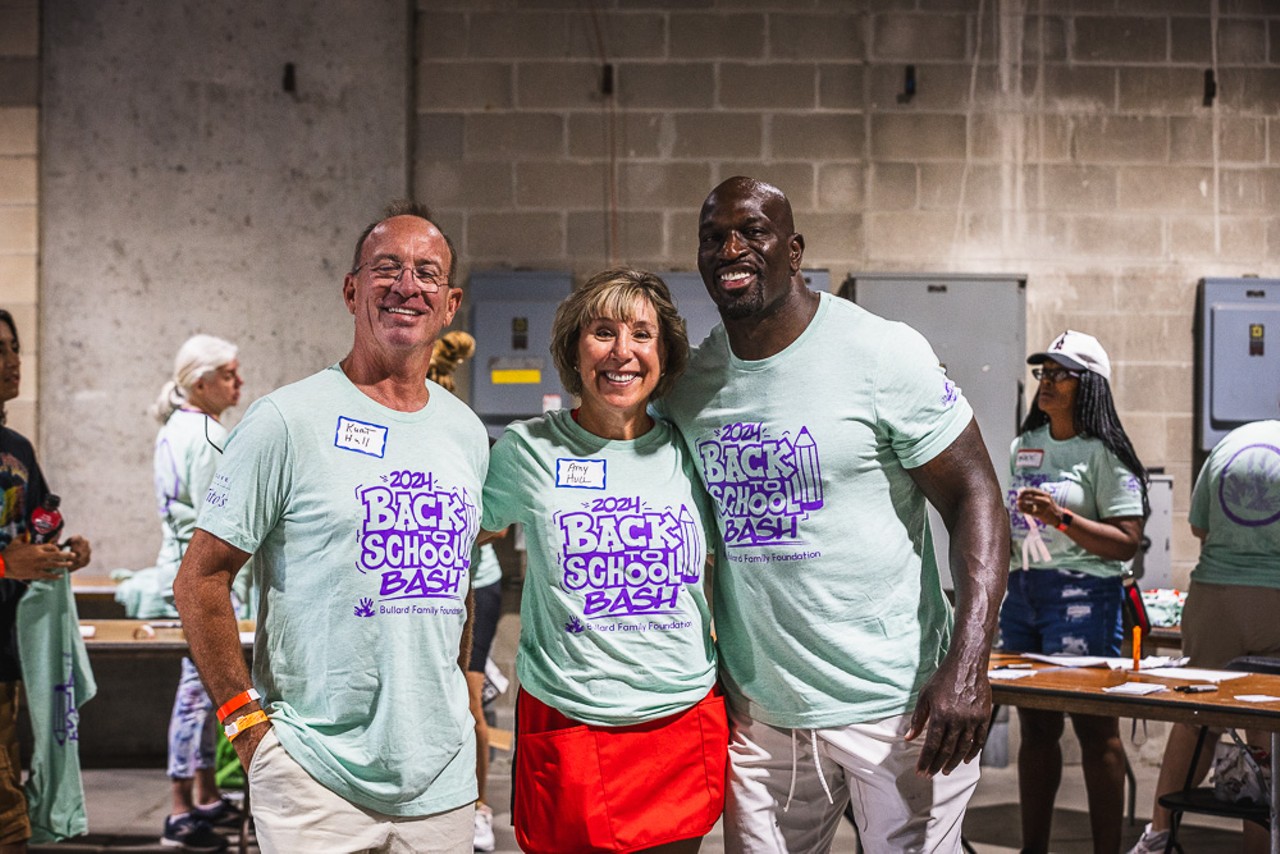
[(1151, 841), (221, 813), (484, 840), (188, 833)]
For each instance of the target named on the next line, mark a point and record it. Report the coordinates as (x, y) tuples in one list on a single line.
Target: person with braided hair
[(1079, 493)]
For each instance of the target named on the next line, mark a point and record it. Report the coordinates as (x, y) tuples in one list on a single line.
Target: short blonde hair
[(614, 294)]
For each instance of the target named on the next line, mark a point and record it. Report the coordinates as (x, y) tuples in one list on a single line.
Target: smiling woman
[(616, 665)]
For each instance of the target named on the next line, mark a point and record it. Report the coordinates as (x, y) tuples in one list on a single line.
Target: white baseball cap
[(1078, 351)]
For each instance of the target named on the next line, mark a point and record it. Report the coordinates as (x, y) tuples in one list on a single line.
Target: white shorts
[(896, 810), (293, 813)]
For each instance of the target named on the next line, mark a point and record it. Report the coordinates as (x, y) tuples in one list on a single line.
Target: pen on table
[(1137, 647), (1013, 667)]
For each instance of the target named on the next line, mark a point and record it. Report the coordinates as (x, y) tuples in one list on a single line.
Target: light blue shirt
[(829, 609), (614, 626), (1237, 500), (361, 520)]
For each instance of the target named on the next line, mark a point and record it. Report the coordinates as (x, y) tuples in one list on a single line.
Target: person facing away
[(357, 492), (1234, 597), (205, 383), (820, 431), (1078, 488)]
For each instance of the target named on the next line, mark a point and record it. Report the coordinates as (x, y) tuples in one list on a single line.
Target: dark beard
[(741, 306)]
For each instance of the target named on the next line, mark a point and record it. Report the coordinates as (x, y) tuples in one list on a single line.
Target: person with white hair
[(206, 382)]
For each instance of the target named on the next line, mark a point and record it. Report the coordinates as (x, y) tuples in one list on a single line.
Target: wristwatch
[(1067, 519)]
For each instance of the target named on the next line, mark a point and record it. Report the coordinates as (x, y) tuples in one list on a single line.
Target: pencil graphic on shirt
[(808, 474)]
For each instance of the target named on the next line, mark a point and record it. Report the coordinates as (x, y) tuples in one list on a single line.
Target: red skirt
[(582, 788)]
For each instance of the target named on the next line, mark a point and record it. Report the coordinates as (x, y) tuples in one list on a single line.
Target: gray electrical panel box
[(977, 326), (700, 313), (1237, 356), (512, 372), (1153, 565)]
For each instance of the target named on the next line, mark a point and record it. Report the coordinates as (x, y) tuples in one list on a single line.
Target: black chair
[(1201, 799)]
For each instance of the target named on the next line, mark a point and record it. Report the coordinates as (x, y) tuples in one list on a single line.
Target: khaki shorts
[(293, 813), (15, 827), (1224, 621)]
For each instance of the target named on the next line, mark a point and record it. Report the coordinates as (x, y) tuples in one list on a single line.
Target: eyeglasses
[(388, 272), (1054, 375)]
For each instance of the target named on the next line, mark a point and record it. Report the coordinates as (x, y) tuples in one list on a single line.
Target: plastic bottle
[(46, 520)]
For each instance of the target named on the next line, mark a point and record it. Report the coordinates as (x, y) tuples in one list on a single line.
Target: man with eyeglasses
[(357, 492)]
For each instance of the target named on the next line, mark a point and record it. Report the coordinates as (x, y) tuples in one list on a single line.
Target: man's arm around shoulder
[(202, 591), (956, 702)]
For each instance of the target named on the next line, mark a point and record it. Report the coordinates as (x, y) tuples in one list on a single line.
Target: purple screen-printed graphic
[(1017, 519), (168, 483), (66, 719), (628, 559), (1249, 491), (417, 537), (763, 486)]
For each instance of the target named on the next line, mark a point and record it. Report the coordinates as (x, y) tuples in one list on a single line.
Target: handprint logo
[(365, 608), (574, 626), (1249, 492)]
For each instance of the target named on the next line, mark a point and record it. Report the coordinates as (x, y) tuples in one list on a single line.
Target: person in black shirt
[(22, 489)]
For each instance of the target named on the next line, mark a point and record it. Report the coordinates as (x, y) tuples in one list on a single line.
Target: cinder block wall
[(1066, 140), (19, 208)]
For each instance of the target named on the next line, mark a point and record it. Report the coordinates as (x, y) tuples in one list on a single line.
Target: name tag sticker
[(1029, 458), (361, 437), (580, 474)]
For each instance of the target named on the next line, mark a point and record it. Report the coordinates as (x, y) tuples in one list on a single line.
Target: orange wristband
[(2, 566), (239, 701), (234, 729)]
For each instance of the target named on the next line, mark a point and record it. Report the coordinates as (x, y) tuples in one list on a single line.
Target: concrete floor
[(127, 809)]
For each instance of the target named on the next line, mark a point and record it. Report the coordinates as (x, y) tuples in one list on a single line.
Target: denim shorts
[(1058, 610)]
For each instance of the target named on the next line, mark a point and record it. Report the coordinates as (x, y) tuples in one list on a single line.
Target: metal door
[(977, 326)]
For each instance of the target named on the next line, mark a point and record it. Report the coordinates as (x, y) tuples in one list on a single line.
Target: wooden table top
[(137, 635), (1080, 689)]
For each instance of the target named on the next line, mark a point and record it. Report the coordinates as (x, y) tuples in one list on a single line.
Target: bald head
[(749, 254), (767, 197)]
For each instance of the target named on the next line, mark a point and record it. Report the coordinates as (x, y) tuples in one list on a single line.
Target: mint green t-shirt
[(1083, 476), (829, 609), (485, 568), (614, 626), (1237, 500), (186, 459), (361, 521)]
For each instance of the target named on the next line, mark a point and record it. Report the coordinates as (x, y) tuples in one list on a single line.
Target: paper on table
[(1135, 689), (1194, 674), (1009, 674), (88, 631), (1149, 663), (246, 637), (1257, 698), (1074, 660)]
